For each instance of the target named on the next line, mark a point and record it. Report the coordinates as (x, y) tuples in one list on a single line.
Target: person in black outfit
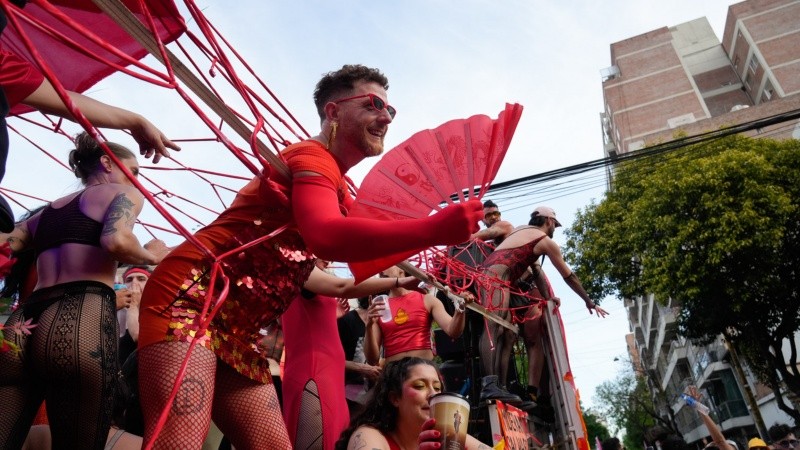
[(358, 374)]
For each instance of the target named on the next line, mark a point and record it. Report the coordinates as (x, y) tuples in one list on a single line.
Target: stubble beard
[(371, 149)]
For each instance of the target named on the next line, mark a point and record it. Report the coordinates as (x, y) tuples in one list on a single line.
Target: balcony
[(688, 421), (639, 334), (665, 331), (732, 409), (677, 352), (712, 355), (633, 316)]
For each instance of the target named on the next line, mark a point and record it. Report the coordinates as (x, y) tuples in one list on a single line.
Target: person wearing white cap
[(508, 263)]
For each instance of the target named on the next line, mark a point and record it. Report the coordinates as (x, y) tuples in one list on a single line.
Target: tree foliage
[(595, 428), (716, 228), (626, 402)]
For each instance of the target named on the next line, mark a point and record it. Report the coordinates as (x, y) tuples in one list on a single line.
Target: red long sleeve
[(332, 236), (18, 78)]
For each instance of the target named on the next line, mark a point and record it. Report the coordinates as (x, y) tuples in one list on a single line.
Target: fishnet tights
[(495, 361), (70, 359), (190, 415), (247, 412), (309, 424)]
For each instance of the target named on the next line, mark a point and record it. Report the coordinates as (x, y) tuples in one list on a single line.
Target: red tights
[(247, 412)]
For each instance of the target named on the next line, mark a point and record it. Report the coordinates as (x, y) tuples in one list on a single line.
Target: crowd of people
[(79, 331), (112, 345)]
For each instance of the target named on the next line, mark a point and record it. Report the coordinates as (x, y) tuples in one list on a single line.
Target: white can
[(386, 312)]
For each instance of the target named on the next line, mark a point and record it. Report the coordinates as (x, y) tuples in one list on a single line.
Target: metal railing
[(730, 409)]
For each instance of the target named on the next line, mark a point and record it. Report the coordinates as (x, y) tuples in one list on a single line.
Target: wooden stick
[(415, 271), (136, 29)]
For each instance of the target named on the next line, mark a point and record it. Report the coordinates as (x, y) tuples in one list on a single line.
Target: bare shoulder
[(107, 193), (430, 300), (504, 225), (126, 189), (367, 438)]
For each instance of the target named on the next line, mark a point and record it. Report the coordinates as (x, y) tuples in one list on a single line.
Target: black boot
[(491, 390)]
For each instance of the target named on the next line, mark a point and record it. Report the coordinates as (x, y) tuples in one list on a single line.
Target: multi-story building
[(682, 81), (671, 363)]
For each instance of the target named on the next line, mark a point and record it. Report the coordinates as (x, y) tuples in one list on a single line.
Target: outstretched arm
[(499, 229), (550, 248), (332, 236), (713, 429), (323, 283), (150, 139)]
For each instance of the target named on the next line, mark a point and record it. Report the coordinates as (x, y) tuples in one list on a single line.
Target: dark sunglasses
[(375, 101), (492, 215), (788, 443)]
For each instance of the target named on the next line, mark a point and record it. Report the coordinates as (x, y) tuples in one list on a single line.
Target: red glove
[(455, 223), (332, 236)]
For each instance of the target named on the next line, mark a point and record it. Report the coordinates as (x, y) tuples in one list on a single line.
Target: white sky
[(444, 60)]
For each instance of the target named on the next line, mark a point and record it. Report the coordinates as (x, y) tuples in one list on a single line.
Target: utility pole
[(748, 393)]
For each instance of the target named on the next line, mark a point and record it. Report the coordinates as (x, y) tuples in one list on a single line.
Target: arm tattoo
[(119, 209)]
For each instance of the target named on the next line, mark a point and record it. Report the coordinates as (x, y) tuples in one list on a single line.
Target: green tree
[(595, 428), (627, 403), (716, 228)]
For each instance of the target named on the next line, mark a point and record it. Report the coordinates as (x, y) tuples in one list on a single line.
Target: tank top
[(410, 327), (67, 224)]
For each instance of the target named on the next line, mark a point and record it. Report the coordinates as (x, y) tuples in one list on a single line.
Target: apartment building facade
[(671, 363), (682, 80)]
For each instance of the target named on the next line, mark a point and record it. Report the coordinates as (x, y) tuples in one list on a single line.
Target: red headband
[(144, 272)]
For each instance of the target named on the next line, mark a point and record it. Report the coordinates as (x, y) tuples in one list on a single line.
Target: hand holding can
[(386, 312)]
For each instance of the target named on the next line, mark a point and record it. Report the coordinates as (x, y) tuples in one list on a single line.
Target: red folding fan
[(456, 161)]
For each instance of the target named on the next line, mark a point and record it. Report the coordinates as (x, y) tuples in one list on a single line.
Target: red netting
[(76, 45)]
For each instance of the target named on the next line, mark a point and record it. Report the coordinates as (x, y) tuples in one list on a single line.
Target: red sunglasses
[(375, 101)]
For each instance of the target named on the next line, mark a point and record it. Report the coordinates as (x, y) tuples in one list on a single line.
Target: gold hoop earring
[(332, 137)]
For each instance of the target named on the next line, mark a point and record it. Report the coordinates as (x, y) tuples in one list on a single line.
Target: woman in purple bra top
[(67, 330)]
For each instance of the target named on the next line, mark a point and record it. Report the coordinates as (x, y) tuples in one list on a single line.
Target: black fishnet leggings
[(70, 360), (309, 426), (247, 412)]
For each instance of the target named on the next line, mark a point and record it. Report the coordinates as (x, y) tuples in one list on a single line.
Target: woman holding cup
[(401, 323), (398, 413)]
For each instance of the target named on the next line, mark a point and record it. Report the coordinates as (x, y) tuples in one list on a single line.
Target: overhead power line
[(649, 152)]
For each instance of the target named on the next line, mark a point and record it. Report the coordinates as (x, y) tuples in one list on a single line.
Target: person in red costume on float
[(225, 368)]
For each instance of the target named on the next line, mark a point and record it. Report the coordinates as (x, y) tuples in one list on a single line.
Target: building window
[(768, 92), (753, 64)]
